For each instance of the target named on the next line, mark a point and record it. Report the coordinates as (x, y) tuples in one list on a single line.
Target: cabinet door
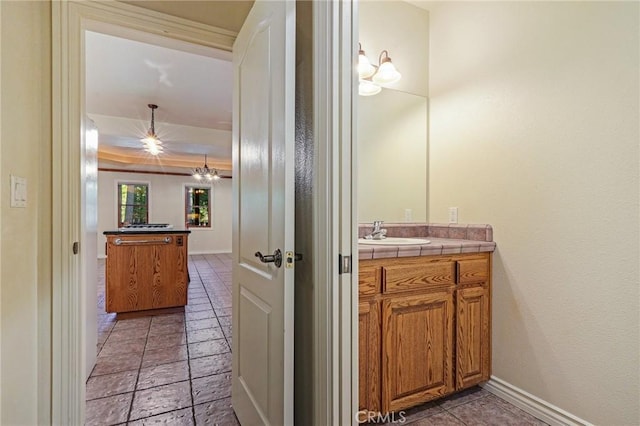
[(417, 356), (369, 355), (473, 348)]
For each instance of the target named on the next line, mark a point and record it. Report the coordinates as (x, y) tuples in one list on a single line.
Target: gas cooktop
[(146, 227)]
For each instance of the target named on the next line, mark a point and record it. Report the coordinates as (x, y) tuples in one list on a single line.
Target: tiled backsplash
[(433, 230)]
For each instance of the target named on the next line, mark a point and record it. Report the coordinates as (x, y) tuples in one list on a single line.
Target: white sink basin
[(394, 241)]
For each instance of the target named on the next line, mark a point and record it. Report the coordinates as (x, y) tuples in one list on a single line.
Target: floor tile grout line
[(135, 386)]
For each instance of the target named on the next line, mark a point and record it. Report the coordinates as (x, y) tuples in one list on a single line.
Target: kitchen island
[(146, 271)]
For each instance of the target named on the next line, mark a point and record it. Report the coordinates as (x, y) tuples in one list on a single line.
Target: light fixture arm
[(386, 58)]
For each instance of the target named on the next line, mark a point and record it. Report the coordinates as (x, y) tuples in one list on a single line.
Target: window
[(133, 203), (197, 206)]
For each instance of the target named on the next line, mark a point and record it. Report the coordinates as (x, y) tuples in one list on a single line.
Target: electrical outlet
[(453, 215)]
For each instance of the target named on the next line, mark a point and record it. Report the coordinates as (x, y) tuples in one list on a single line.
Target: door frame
[(335, 232), (69, 21), (334, 40)]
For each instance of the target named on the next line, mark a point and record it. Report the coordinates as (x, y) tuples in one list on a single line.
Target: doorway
[(182, 359), (332, 233)]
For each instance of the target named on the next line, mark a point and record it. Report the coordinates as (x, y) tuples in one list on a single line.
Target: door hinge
[(344, 264), (75, 247)]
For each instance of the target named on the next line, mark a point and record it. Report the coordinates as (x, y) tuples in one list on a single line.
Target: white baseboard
[(533, 405), (224, 251)]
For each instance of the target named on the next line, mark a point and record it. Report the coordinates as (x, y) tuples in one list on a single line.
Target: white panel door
[(263, 218)]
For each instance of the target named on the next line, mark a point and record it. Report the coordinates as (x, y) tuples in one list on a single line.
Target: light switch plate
[(453, 215), (18, 192)]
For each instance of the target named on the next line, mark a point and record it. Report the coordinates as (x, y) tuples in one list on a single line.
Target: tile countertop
[(445, 239)]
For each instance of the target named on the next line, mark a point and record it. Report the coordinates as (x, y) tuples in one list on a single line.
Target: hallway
[(167, 369)]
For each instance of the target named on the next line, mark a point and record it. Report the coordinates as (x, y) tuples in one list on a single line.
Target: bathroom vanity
[(146, 270), (424, 318)]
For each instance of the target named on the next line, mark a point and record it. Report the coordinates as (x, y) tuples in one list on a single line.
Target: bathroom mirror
[(392, 157)]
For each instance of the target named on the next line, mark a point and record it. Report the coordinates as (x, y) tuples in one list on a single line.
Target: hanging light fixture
[(152, 143), (387, 72), (205, 172)]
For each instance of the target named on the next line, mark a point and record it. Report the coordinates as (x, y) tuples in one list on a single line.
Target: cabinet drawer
[(413, 277), (473, 271), (369, 279)]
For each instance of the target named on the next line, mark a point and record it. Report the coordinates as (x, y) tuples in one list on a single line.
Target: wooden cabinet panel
[(417, 360), (403, 276), (473, 347), (369, 348), (369, 277), (473, 271), (144, 272)]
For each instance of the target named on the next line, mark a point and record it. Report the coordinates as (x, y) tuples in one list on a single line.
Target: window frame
[(185, 211), (118, 183)]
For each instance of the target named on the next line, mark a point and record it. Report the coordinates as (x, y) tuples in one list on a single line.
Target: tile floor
[(170, 369), (175, 369), (473, 407)]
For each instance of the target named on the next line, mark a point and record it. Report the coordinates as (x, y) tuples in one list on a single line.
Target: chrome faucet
[(378, 232)]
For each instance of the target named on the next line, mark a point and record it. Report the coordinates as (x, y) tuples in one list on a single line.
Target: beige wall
[(166, 205), (25, 141), (534, 129)]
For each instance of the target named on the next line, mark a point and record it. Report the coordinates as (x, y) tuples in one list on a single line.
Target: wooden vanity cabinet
[(434, 328)]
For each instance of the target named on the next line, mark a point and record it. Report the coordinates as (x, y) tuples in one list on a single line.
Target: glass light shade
[(368, 88), (153, 149), (387, 74), (365, 69)]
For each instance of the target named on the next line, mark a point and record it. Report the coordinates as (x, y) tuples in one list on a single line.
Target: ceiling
[(192, 86)]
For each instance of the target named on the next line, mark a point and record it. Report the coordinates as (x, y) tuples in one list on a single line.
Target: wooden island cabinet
[(146, 271), (424, 329)]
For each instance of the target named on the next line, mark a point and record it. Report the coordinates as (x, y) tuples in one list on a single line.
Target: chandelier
[(205, 172)]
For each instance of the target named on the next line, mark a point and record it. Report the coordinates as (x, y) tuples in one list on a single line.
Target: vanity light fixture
[(372, 77), (365, 69), (152, 143), (205, 172), (387, 72)]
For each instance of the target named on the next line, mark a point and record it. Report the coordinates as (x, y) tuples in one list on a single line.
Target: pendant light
[(387, 72), (205, 172), (152, 143)]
